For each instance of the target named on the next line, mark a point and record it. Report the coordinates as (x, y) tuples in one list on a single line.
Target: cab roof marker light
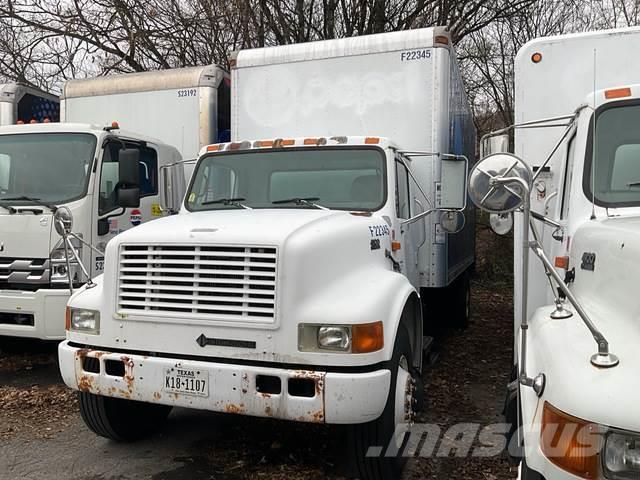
[(321, 141), (263, 143), (617, 93), (371, 141), (310, 141), (339, 139), (215, 148), (441, 40), (536, 57)]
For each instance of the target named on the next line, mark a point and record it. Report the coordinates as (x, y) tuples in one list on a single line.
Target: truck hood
[(250, 227), (25, 235), (609, 294)]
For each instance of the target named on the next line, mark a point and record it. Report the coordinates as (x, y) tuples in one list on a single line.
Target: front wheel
[(119, 419), (376, 450)]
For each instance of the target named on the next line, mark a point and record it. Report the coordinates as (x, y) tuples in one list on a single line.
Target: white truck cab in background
[(46, 166), (22, 103), (289, 284), (575, 390)]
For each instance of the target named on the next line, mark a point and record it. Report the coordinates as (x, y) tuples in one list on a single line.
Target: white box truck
[(289, 284), (22, 103), (185, 107), (575, 186)]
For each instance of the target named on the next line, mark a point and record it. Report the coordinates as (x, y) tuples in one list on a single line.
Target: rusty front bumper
[(343, 398)]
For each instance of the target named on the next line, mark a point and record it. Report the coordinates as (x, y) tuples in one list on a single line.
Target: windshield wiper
[(37, 201), (301, 201), (228, 201)]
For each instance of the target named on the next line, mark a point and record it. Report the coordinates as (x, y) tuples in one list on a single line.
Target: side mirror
[(129, 176), (500, 183), (453, 183), (129, 167), (494, 144), (172, 187), (501, 223)]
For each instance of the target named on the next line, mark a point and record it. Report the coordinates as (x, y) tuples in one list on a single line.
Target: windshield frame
[(588, 158), (381, 151), (87, 180)]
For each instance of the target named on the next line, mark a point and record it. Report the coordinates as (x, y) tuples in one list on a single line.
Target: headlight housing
[(621, 459), (59, 274), (357, 338), (83, 320)]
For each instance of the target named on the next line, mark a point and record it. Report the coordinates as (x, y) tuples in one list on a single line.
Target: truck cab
[(47, 166), (574, 392)]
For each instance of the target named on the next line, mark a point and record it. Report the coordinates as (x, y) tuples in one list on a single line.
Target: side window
[(402, 191), (109, 175), (566, 189)]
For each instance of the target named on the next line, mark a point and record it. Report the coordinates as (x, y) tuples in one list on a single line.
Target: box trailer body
[(185, 107), (22, 103), (288, 284), (582, 93), (374, 85), (47, 166)]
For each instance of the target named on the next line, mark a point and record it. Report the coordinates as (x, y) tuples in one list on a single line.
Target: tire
[(460, 298), (119, 419), (380, 432)]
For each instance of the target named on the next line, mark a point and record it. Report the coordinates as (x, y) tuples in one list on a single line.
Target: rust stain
[(127, 361), (129, 381), (317, 417), (265, 395), (156, 396), (268, 412), (82, 352), (98, 354), (85, 383), (232, 408)]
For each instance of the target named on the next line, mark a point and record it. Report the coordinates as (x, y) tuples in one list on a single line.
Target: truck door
[(109, 218), (409, 232)]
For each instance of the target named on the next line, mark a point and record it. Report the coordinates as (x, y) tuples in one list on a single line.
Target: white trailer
[(289, 284), (577, 116), (185, 107), (25, 104)]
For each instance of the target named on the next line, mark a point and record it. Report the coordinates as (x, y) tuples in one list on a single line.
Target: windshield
[(612, 175), (335, 177), (50, 167)]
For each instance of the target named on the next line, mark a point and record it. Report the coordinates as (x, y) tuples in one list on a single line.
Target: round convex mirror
[(452, 221), (499, 197), (63, 221), (501, 223)]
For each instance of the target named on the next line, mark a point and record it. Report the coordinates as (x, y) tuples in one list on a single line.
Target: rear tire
[(119, 419), (380, 432)]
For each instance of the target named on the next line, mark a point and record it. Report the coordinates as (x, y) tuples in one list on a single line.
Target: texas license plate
[(186, 381)]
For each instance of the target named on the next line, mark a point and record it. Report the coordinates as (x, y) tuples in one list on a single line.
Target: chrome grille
[(223, 283), (23, 271)]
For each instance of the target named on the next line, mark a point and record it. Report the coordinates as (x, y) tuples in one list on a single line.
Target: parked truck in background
[(60, 165), (185, 107), (575, 185), (289, 285), (22, 103)]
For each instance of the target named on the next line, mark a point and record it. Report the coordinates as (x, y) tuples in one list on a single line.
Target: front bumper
[(43, 308), (339, 398)]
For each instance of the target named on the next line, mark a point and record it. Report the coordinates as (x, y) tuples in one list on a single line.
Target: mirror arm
[(543, 219), (603, 358), (84, 242), (417, 217)]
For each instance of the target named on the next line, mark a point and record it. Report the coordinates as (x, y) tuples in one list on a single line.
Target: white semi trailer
[(25, 104), (289, 284), (575, 185), (185, 107)]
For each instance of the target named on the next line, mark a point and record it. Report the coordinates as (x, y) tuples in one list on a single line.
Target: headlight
[(81, 320), (358, 338), (59, 275), (622, 455)]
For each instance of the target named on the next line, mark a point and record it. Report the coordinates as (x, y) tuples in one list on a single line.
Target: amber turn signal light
[(367, 337)]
